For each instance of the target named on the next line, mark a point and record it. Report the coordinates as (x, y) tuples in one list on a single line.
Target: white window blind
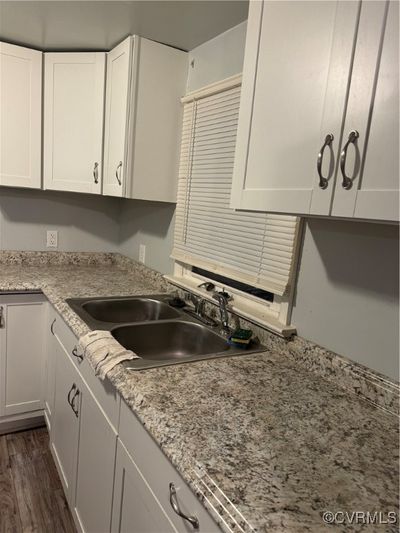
[(254, 248)]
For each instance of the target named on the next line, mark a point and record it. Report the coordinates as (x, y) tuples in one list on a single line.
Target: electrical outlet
[(52, 239), (142, 253)]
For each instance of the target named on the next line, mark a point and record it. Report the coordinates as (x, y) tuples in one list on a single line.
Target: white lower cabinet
[(22, 356), (115, 477), (136, 508), (65, 419), (83, 441), (95, 469), (50, 379), (148, 490)]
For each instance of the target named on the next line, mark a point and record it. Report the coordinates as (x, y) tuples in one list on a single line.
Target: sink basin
[(123, 310), (159, 334), (170, 340)]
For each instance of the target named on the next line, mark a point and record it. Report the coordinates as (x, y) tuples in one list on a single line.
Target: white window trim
[(269, 315), (274, 316)]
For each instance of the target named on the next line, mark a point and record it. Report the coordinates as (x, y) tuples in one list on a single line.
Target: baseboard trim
[(10, 424)]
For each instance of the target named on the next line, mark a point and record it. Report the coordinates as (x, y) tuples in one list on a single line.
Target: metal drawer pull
[(52, 326), (75, 353), (71, 390), (117, 174), (75, 410), (347, 182), (2, 317), (174, 504), (323, 182), (96, 172)]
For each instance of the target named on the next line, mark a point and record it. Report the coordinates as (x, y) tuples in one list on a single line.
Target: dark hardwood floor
[(31, 496)]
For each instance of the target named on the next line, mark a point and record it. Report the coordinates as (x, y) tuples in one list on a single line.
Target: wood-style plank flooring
[(31, 496)]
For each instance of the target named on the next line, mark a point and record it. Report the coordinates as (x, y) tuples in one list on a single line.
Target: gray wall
[(151, 224), (84, 222), (347, 297), (218, 58)]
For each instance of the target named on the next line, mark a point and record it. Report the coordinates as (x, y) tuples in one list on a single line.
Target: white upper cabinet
[(145, 81), (73, 121), (372, 163), (296, 87), (116, 117), (20, 116)]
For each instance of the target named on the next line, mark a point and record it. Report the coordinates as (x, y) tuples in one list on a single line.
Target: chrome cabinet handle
[(2, 317), (323, 182), (116, 173), (193, 520), (347, 182), (52, 326), (75, 353), (72, 404), (96, 172), (71, 390)]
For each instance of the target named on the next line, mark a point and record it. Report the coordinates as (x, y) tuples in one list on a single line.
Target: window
[(253, 249), (227, 282)]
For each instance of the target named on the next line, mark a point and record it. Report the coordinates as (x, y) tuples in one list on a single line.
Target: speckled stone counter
[(268, 442)]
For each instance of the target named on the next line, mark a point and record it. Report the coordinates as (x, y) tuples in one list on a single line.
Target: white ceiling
[(96, 25)]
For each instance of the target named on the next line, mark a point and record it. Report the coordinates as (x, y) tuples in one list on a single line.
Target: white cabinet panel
[(73, 121), (156, 121), (22, 355), (282, 123), (65, 422), (116, 117), (20, 116), (373, 110), (156, 474), (49, 391), (136, 509), (95, 471), (145, 81), (314, 72)]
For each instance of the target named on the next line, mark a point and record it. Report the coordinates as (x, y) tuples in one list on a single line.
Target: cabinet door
[(135, 509), (295, 76), (22, 356), (20, 116), (95, 471), (51, 347), (65, 420), (372, 163), (118, 89), (73, 121)]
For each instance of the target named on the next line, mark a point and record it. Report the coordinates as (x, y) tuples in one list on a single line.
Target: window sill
[(255, 313)]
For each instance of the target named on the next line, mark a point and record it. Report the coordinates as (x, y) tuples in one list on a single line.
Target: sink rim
[(143, 364)]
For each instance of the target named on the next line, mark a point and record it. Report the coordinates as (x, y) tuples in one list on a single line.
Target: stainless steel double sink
[(158, 333)]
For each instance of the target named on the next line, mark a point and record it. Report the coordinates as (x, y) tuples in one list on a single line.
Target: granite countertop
[(262, 439)]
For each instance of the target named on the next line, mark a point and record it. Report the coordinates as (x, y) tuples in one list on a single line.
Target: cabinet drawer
[(159, 473), (103, 391)]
